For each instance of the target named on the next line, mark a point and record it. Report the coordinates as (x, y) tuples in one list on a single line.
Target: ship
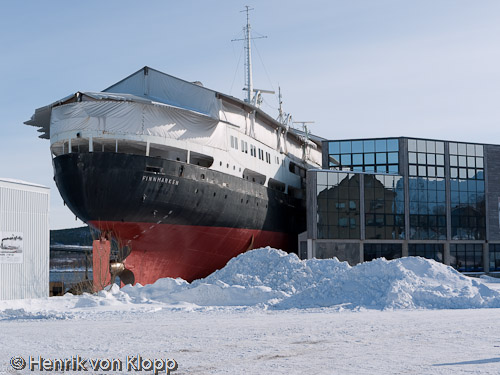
[(182, 177)]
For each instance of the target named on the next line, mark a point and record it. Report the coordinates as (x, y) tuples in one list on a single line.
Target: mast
[(249, 56), (248, 61)]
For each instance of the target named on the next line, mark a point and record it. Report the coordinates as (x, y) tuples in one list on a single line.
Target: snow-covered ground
[(268, 312)]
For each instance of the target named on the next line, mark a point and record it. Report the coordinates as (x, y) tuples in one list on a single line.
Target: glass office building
[(397, 197)]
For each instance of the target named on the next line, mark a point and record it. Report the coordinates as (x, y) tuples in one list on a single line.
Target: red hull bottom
[(185, 251)]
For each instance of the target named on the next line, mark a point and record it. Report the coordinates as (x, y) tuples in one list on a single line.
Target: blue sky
[(358, 68)]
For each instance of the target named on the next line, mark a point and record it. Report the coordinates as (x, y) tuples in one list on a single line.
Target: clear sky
[(358, 68)]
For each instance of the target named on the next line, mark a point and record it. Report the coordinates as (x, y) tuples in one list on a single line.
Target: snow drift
[(283, 281), (269, 278)]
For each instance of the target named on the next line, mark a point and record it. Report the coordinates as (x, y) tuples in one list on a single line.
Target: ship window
[(294, 168), (201, 159), (253, 151), (234, 142), (153, 169), (244, 146), (261, 154)]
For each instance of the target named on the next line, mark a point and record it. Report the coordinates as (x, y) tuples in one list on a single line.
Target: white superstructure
[(154, 114)]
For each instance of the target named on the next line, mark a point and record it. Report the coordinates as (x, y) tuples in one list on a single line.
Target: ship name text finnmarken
[(165, 180)]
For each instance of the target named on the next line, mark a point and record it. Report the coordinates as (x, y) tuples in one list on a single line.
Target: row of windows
[(423, 158), (378, 158), (427, 162), (467, 257), (363, 146), (466, 161), (387, 251), (253, 150), (392, 169), (429, 183), (421, 145), (427, 208), (380, 220), (425, 196), (428, 250), (338, 232), (466, 197), (424, 171), (467, 173), (463, 257), (466, 149), (494, 250)]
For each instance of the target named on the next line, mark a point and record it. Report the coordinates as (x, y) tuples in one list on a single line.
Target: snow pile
[(269, 278), (275, 269), (273, 278), (411, 282)]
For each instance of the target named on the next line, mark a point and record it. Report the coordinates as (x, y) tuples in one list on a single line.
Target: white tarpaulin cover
[(152, 84), (150, 102), (134, 118)]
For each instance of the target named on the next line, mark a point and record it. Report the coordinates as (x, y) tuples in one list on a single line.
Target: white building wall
[(24, 212)]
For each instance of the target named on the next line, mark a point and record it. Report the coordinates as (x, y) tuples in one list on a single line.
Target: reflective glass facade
[(467, 192), (427, 189), (384, 206), (494, 257), (467, 257), (427, 208), (424, 195), (338, 205), (367, 155), (426, 250), (386, 250)]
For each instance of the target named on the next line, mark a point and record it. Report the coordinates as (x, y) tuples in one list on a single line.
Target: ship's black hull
[(183, 220), (131, 188)]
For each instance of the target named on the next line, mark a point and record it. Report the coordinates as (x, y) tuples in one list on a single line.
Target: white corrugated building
[(24, 240)]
